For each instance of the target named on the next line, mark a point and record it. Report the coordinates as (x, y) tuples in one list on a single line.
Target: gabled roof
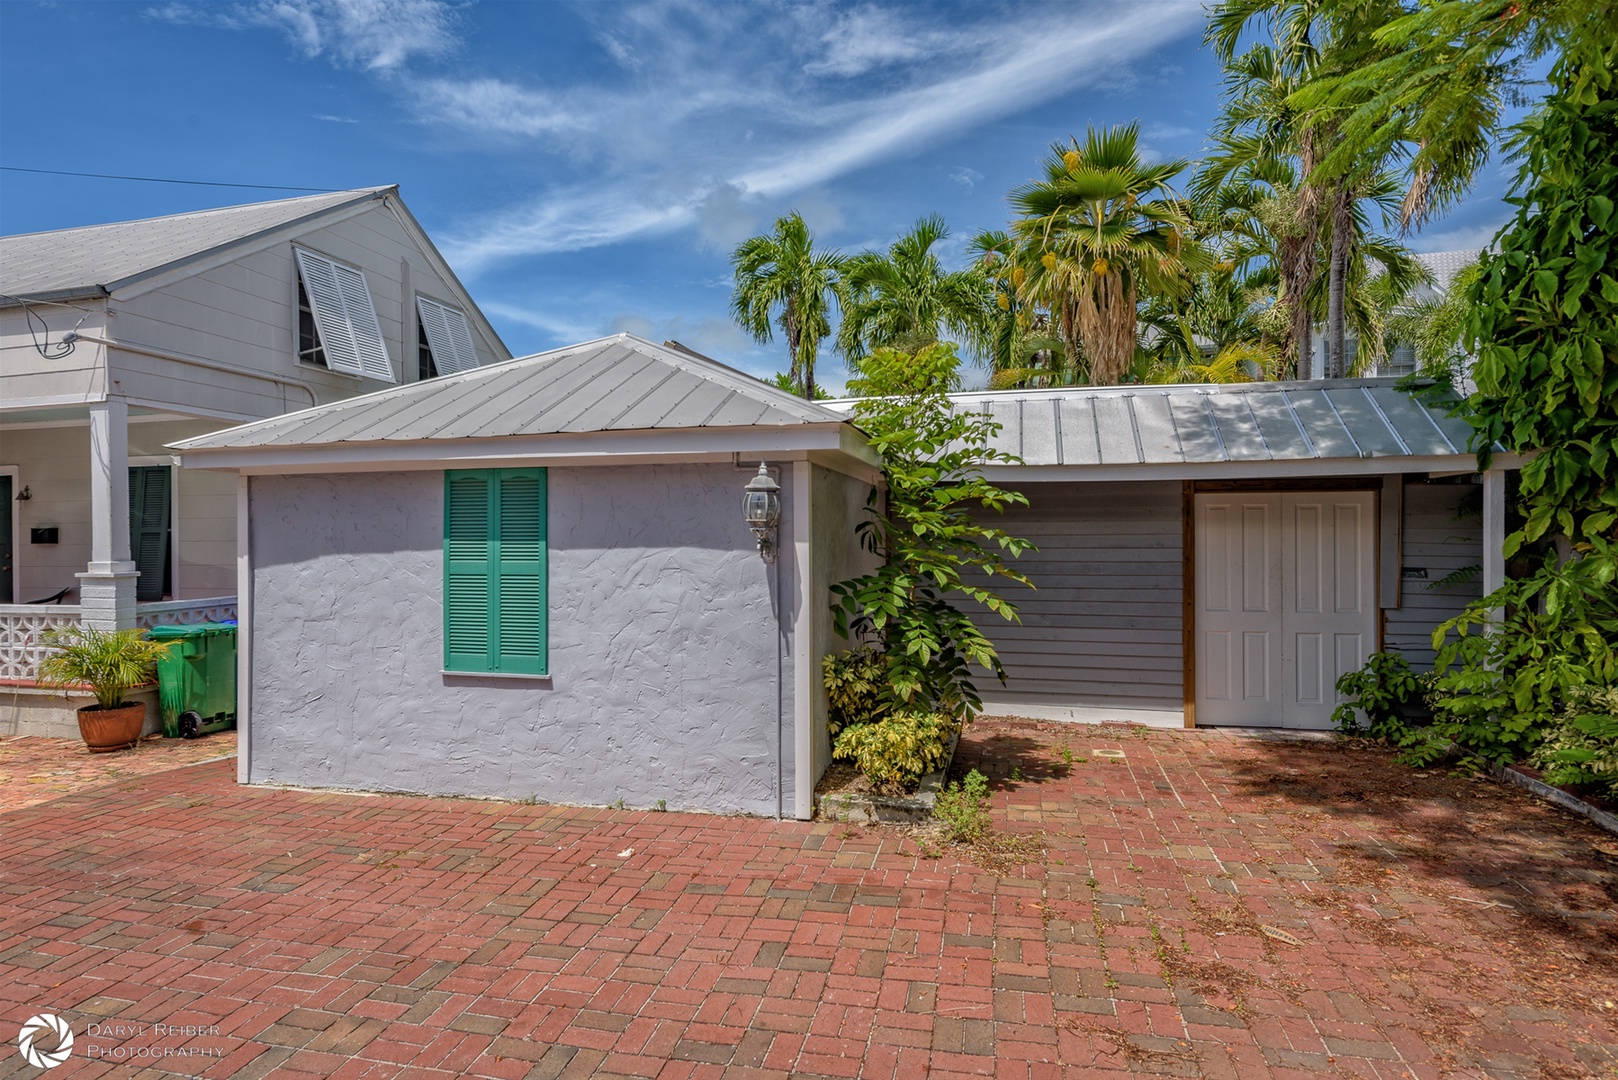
[(1444, 265), (95, 260), (1346, 420), (615, 384)]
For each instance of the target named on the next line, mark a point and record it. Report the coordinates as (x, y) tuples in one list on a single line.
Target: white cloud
[(719, 132), (376, 35), (1460, 237), (967, 178), (868, 38), (492, 105), (335, 119)]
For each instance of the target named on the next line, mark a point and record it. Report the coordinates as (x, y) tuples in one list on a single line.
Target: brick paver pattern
[(34, 769), (342, 935)]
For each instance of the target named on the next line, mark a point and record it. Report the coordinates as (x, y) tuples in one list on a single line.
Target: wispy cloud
[(967, 178), (868, 38), (336, 119), (706, 132), (376, 35)]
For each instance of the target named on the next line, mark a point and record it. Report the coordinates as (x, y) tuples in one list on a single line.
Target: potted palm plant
[(109, 662)]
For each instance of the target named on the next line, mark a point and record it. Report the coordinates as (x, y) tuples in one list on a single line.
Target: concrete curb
[(890, 809), (1559, 797)]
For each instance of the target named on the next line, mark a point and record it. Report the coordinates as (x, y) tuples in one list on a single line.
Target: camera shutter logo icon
[(45, 1041)]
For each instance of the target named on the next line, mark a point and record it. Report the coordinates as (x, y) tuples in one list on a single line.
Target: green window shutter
[(149, 529), (495, 571)]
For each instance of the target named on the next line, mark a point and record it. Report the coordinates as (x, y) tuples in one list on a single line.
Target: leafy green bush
[(1384, 691), (964, 808), (854, 681), (1540, 642), (1582, 746), (899, 749), (929, 532), (110, 662)]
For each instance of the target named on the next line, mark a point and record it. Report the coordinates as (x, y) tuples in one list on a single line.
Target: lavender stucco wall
[(663, 639)]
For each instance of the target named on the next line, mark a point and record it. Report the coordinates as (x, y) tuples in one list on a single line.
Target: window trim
[(539, 666)]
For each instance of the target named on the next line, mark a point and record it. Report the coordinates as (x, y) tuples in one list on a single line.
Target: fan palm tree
[(781, 277), (1101, 239), (904, 299)]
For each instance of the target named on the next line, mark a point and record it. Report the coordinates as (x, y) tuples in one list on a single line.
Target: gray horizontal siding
[(1102, 626), (1438, 541)]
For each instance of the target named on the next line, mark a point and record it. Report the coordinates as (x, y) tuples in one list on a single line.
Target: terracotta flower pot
[(106, 730)]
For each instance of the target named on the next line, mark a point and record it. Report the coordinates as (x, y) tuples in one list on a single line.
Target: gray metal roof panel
[(1199, 435), (1154, 425), (1283, 438), (1365, 423), (80, 259), (697, 407), (1238, 429), (1041, 443), (1320, 422), (1081, 443), (1417, 427), (1115, 431), (615, 384)]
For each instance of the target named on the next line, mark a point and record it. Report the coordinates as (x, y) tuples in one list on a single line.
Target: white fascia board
[(55, 401), (1237, 470), (600, 447)]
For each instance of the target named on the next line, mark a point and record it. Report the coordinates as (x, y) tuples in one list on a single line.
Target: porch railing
[(20, 627), (185, 612), (22, 624)]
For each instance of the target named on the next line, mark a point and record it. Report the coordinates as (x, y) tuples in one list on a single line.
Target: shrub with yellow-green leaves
[(854, 682), (899, 749)]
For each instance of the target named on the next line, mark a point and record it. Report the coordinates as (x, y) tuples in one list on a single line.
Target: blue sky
[(588, 167)]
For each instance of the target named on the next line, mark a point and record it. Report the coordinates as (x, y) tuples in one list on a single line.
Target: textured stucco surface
[(663, 639), (838, 508)]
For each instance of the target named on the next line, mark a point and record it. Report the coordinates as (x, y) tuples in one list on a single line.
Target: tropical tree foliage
[(904, 299), (1100, 229), (929, 533), (782, 280)]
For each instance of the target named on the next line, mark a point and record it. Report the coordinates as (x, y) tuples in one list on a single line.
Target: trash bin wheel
[(190, 724)]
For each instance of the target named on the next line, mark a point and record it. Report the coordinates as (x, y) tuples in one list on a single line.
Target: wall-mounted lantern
[(761, 506)]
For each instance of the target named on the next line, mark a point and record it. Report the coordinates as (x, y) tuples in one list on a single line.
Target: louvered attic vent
[(449, 339), (344, 318)]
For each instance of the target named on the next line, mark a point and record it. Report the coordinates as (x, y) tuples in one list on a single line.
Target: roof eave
[(562, 448), (55, 296)]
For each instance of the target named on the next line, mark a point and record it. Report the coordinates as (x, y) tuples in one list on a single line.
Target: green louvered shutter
[(494, 571), (149, 529)]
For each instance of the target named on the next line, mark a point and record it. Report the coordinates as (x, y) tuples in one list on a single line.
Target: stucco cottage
[(534, 579)]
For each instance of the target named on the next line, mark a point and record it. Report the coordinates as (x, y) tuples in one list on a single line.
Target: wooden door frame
[(1189, 490)]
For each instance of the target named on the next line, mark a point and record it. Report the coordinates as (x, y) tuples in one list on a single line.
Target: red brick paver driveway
[(35, 769), (1212, 906)]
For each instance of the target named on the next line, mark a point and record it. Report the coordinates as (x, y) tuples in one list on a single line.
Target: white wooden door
[(1285, 603)]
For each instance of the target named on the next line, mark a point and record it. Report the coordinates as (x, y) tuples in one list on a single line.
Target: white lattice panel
[(20, 627)]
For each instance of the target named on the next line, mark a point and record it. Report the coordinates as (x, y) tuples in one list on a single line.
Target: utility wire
[(161, 180)]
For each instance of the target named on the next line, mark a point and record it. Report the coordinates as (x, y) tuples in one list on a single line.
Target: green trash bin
[(196, 682)]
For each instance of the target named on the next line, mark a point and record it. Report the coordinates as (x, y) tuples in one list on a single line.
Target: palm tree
[(1251, 186), (782, 277), (1014, 338), (1101, 240), (903, 298)]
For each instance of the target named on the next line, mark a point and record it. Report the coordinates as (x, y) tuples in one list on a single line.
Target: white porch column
[(1494, 530), (107, 587)]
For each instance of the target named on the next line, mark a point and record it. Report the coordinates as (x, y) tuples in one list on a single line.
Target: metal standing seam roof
[(95, 259), (619, 383), (1212, 423)]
